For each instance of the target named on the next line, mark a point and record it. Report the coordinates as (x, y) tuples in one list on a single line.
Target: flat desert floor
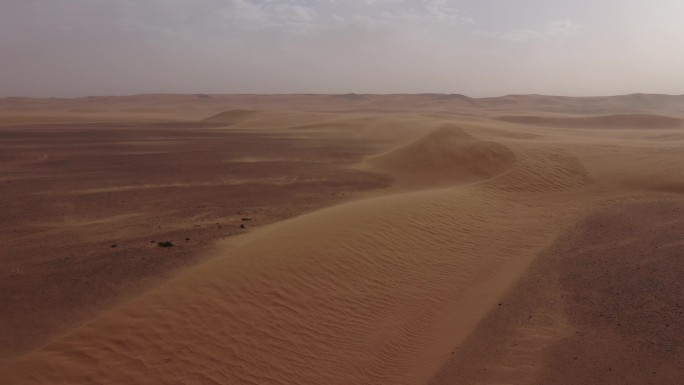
[(342, 239)]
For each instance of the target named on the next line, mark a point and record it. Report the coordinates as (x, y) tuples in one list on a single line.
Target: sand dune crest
[(447, 155), (231, 116)]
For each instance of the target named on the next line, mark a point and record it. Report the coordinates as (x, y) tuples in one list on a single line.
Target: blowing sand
[(518, 240)]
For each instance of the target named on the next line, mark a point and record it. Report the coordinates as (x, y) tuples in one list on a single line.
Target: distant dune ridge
[(608, 121), (194, 107), (506, 249)]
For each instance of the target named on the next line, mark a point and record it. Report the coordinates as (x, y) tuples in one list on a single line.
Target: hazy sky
[(474, 47)]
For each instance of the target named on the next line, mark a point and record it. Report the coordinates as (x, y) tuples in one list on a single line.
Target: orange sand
[(404, 285)]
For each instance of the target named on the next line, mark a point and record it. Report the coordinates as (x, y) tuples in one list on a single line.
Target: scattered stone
[(114, 245), (242, 225), (246, 219), (165, 244)]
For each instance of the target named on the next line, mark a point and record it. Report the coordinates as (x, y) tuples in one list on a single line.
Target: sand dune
[(503, 253), (231, 117), (63, 184), (353, 294), (447, 155)]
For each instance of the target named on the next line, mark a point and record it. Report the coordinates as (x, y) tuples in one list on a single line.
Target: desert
[(342, 239)]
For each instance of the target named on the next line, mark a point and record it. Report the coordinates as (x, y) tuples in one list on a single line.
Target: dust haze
[(334, 192)]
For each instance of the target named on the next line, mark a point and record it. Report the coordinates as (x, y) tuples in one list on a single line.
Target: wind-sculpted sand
[(477, 251)]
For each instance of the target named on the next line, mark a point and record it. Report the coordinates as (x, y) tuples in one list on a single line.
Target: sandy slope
[(446, 156), (603, 305), (84, 205), (387, 290)]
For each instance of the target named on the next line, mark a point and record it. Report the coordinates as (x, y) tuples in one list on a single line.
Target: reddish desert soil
[(83, 205), (393, 239), (603, 305)]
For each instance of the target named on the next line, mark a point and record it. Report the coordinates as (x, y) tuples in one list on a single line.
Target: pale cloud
[(378, 2), (243, 16), (553, 31), (427, 13), (445, 11), (295, 13), (243, 13), (286, 16), (563, 28)]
